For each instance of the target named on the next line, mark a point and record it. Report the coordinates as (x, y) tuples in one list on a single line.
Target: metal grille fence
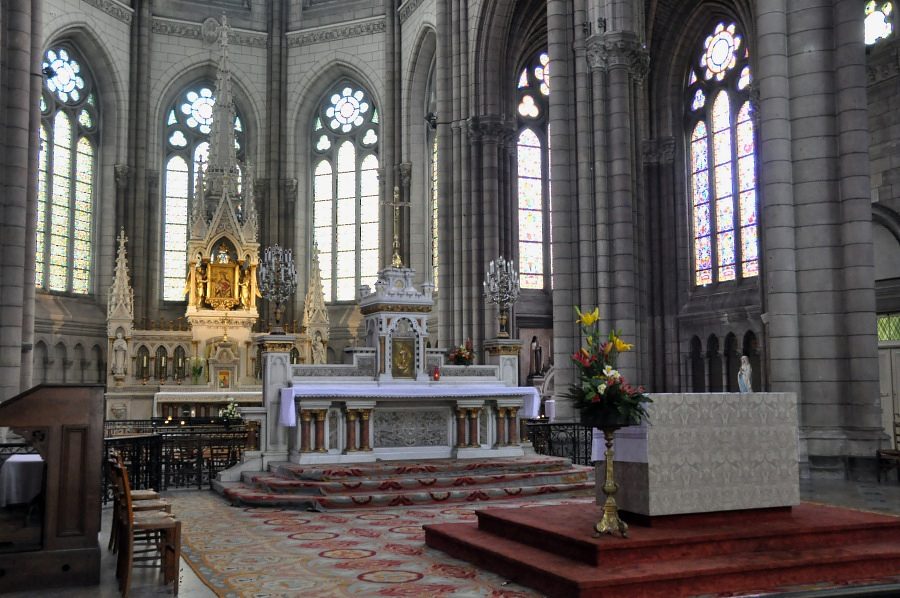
[(570, 440)]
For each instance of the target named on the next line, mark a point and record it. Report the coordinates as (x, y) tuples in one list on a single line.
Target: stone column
[(364, 443), (320, 430), (351, 430), (18, 144), (473, 427), (307, 431), (276, 369), (446, 247), (501, 427), (512, 421), (460, 428)]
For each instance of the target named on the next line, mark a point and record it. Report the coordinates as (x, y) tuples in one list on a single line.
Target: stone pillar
[(505, 354), (501, 427), (460, 428), (320, 430), (306, 432), (512, 421), (473, 427), (364, 443), (18, 133), (276, 371), (351, 430)]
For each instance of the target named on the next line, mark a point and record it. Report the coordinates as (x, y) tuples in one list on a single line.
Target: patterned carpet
[(268, 552)]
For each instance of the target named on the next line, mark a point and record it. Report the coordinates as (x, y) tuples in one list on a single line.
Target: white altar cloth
[(530, 407), (21, 478)]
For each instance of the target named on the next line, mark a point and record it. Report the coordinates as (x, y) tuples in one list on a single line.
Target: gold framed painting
[(222, 286), (403, 358)]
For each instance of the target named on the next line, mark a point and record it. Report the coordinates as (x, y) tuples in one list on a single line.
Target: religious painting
[(403, 358), (222, 285), (224, 378)]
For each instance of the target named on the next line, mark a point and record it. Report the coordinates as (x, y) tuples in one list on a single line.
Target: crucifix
[(396, 260), (225, 326)]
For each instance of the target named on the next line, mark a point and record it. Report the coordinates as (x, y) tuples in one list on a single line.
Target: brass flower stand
[(610, 523)]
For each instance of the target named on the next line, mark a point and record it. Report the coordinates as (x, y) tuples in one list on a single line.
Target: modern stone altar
[(704, 453)]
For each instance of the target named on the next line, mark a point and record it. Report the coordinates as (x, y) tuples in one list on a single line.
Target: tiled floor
[(883, 497)]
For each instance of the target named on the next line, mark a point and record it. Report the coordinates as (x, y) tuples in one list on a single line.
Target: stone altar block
[(703, 453)]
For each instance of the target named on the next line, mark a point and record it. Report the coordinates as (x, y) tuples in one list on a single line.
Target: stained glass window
[(188, 125), (722, 150), (69, 135), (533, 172), (879, 21), (344, 142)]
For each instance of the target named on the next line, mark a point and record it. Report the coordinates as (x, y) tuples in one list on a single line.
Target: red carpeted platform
[(554, 550)]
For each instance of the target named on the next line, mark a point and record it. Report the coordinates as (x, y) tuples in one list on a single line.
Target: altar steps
[(405, 483), (553, 549)]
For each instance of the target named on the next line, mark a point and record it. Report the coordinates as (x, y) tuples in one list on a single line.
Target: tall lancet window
[(70, 134), (187, 128), (432, 153), (344, 139), (722, 149), (533, 168)]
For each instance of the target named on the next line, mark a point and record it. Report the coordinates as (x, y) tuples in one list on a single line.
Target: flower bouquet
[(463, 354), (196, 369), (230, 411), (602, 395)]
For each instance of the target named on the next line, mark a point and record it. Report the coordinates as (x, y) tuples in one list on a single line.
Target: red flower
[(582, 358)]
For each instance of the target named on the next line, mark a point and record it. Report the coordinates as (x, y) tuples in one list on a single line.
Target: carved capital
[(152, 180), (617, 50), (289, 188), (490, 128), (123, 176), (658, 151)]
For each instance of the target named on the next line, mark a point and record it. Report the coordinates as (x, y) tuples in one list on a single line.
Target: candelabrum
[(501, 286), (277, 279)]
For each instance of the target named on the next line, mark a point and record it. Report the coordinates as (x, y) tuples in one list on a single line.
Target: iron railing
[(175, 456), (571, 440)]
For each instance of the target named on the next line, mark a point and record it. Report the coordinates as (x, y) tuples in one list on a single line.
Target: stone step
[(252, 496), (382, 469), (277, 484)]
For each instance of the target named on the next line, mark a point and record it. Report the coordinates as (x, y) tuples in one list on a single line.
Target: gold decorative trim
[(394, 308), (277, 346), (503, 349)]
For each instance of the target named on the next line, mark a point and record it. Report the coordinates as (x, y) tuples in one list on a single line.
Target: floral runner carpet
[(270, 552)]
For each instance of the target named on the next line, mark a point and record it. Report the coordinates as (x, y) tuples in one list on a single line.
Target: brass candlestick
[(611, 523)]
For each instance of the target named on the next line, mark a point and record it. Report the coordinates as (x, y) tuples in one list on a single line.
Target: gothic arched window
[(533, 172), (722, 151), (70, 135), (187, 128), (879, 21), (432, 149), (344, 140)]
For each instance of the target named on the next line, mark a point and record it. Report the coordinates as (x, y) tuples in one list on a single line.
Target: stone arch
[(80, 364), (714, 364), (732, 358), (59, 371), (41, 363), (750, 348), (697, 365), (99, 367)]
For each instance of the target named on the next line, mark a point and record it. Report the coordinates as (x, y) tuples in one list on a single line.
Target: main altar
[(196, 365)]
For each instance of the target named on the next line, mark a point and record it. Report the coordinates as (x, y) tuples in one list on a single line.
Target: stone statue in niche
[(120, 351), (745, 375), (318, 349), (537, 357)]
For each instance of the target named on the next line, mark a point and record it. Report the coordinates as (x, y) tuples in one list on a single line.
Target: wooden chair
[(889, 458), (165, 532), (144, 500)]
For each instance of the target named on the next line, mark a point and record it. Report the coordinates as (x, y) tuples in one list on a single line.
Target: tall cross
[(396, 260), (225, 326)]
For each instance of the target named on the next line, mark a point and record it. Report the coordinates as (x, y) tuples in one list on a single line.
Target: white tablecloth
[(21, 478), (530, 407)]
